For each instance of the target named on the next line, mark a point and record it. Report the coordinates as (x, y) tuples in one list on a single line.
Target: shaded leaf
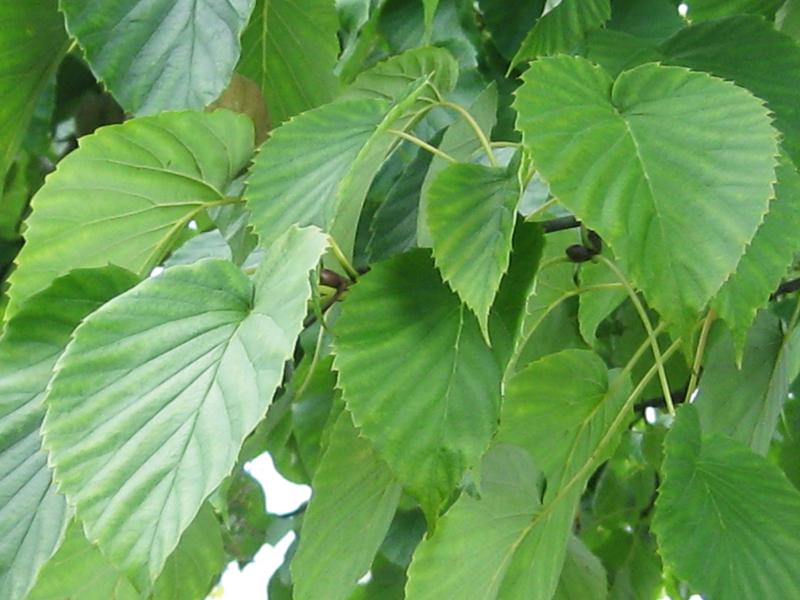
[(32, 513), (583, 576), (727, 520), (161, 54), (417, 376), (467, 557), (159, 388), (289, 49), (509, 22), (745, 403), (561, 29), (751, 53), (127, 193), (669, 139), (32, 45), (355, 497), (701, 10)]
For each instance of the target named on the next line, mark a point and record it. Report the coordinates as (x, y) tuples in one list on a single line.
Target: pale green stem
[(487, 147), (314, 361), (550, 203), (648, 326), (346, 265), (699, 352), (422, 144), (795, 315)]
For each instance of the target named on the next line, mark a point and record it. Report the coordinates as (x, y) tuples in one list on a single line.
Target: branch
[(559, 224), (787, 287)]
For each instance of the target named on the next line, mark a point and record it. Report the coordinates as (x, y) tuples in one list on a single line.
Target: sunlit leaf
[(126, 194), (161, 54), (32, 513), (637, 159), (158, 389)]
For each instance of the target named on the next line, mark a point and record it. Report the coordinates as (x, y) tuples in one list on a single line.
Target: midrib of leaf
[(658, 216), (453, 368), (174, 472)]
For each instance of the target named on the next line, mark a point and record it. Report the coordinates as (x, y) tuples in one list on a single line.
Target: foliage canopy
[(511, 285)]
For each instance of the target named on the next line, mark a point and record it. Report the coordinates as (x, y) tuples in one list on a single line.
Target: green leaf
[(467, 557), (605, 296), (745, 402), (637, 160), (651, 20), (752, 54), (296, 179), (162, 54), (471, 210), (158, 389), (617, 51), (355, 497), (127, 193), (79, 569), (788, 19), (31, 47), (515, 289), (561, 29), (702, 10), (766, 259), (32, 514), (196, 563), (461, 143), (583, 576), (416, 375), (394, 224), (567, 411), (393, 78), (727, 520), (553, 284), (509, 22), (290, 49)]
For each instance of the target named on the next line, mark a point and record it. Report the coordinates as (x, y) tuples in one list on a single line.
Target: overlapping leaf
[(468, 555), (79, 569), (702, 10), (745, 401), (727, 520), (659, 155), (355, 497), (568, 424), (31, 47), (460, 142), (750, 52), (508, 544), (583, 576), (158, 389), (392, 79), (160, 54), (289, 49), (416, 374), (471, 211), (32, 514), (561, 29), (125, 195), (296, 179), (766, 259)]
